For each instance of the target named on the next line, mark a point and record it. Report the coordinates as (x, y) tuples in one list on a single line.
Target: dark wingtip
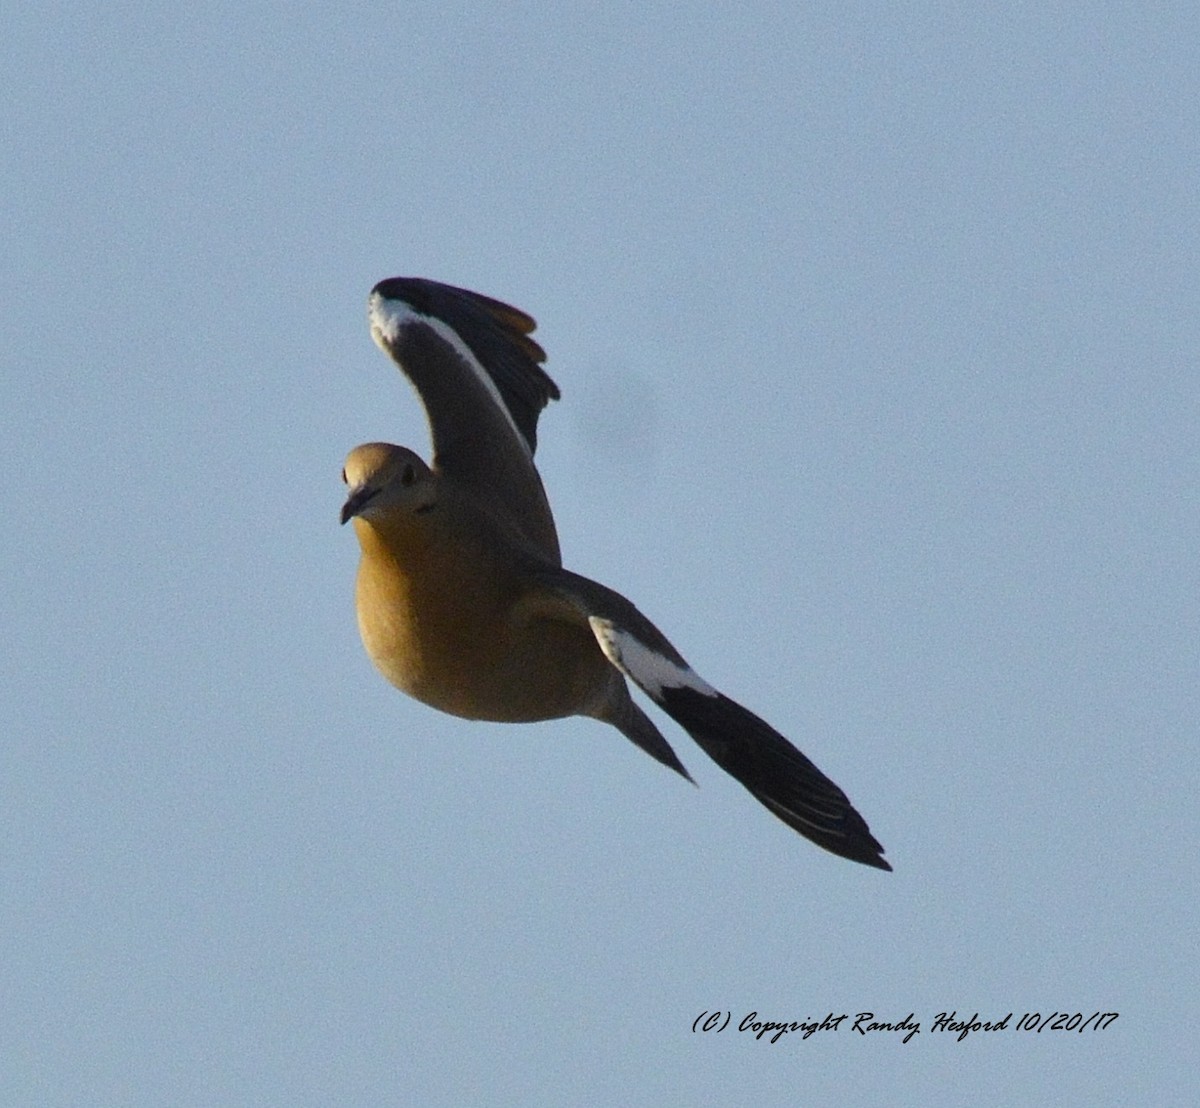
[(776, 774), (434, 298), (397, 288), (498, 335)]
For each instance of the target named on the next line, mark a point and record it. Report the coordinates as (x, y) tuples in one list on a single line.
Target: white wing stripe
[(389, 317), (651, 670)]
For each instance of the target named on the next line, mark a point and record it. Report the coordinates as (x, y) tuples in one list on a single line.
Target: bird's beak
[(356, 501)]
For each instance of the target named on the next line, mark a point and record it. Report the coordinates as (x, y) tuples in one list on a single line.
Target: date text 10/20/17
[(908, 1027)]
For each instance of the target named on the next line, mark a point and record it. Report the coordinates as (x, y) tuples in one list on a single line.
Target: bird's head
[(385, 480)]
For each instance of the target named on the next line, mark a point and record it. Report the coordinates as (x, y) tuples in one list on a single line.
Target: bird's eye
[(408, 476)]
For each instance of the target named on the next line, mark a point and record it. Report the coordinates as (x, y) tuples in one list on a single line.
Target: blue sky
[(877, 336)]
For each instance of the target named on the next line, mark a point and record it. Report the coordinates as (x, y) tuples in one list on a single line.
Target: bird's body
[(461, 596), (424, 589)]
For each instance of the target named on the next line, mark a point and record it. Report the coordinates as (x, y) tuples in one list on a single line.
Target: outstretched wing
[(480, 378), (741, 743)]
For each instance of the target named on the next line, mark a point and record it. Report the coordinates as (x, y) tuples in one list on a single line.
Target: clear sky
[(877, 332)]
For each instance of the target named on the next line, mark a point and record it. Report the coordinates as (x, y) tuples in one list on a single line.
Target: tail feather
[(621, 711)]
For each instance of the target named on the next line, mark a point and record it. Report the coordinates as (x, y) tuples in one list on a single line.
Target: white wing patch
[(651, 670), (389, 317)]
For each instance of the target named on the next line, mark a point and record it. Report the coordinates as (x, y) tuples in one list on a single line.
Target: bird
[(461, 596)]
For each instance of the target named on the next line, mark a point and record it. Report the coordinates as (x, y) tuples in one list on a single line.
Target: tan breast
[(441, 621)]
